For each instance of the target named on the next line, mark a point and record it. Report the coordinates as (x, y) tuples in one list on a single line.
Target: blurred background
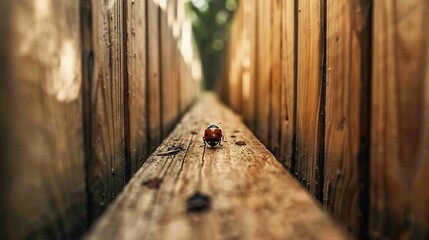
[(211, 23)]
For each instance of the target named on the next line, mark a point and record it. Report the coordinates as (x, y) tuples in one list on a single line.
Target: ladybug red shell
[(213, 136)]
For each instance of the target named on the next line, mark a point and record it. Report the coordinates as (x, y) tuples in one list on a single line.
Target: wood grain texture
[(276, 76), (242, 181), (106, 163), (262, 128), (169, 101), (347, 71), (137, 83), (43, 192), (399, 140), (183, 82), (249, 62), (236, 60), (153, 76), (309, 91), (288, 83)]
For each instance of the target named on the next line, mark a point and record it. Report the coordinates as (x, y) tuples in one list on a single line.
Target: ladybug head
[(212, 141), (213, 126)]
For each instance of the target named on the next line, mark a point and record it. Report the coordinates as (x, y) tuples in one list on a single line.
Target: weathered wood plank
[(236, 60), (263, 120), (169, 105), (276, 76), (174, 59), (42, 151), (105, 90), (288, 83), (183, 82), (153, 78), (309, 91), (249, 62), (400, 109), (136, 66), (242, 180), (348, 55)]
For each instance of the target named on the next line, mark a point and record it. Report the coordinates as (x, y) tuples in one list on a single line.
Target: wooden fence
[(82, 105), (339, 91)]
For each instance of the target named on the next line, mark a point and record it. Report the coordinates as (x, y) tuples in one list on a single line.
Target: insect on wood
[(213, 135)]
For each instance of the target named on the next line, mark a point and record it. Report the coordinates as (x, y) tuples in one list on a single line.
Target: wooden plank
[(175, 71), (243, 182), (276, 12), (184, 28), (399, 140), (309, 91), (153, 68), (5, 72), (236, 62), (288, 83), (174, 60), (169, 106), (348, 55), (106, 164), (186, 83), (183, 83), (263, 120), (136, 66), (249, 76), (42, 151), (196, 72)]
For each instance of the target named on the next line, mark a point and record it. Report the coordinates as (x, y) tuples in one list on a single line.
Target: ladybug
[(213, 135)]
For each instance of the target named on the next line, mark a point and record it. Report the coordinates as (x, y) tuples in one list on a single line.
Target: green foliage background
[(211, 20)]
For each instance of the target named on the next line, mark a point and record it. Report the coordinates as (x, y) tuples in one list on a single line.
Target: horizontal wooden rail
[(240, 190)]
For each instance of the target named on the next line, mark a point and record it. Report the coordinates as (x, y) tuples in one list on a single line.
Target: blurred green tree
[(211, 21)]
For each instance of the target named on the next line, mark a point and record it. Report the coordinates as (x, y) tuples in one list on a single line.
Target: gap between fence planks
[(252, 195)]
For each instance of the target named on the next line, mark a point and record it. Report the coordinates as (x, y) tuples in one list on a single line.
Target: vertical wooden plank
[(183, 82), (173, 61), (288, 75), (276, 75), (43, 195), (169, 106), (117, 31), (153, 84), (399, 140), (236, 61), (106, 164), (136, 66), (347, 70), (181, 42), (177, 76), (264, 72), (249, 76), (420, 197), (5, 73), (309, 91), (165, 79)]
